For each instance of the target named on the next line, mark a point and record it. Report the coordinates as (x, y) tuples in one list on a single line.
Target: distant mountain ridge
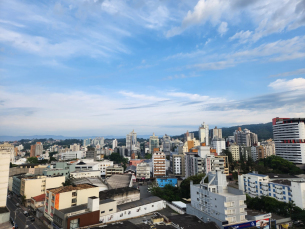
[(263, 131)]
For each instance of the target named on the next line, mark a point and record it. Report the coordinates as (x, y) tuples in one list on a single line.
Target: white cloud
[(292, 73), (223, 28), (141, 96), (11, 23), (294, 84), (269, 16), (243, 36)]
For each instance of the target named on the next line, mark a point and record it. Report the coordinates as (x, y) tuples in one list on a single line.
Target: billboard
[(241, 225), (263, 223)]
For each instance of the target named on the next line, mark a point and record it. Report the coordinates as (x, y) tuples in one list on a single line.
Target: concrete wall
[(108, 206), (4, 217), (4, 174), (235, 191)]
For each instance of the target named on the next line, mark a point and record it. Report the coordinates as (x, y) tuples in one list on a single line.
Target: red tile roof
[(39, 198)]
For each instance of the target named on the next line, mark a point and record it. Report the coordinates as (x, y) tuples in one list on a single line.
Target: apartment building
[(177, 164), (289, 139), (67, 196), (204, 134), (71, 155), (104, 164), (159, 166), (215, 201), (4, 178), (234, 149), (194, 164), (245, 152), (214, 163), (219, 144), (114, 169), (153, 143), (143, 171), (216, 133), (75, 147), (245, 137), (285, 190), (38, 149), (35, 185)]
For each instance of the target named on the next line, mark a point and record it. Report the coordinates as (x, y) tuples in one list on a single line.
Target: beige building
[(68, 196), (143, 171), (234, 149), (225, 164), (115, 169), (159, 166), (4, 173), (75, 147), (36, 185), (104, 164), (7, 147), (189, 144)]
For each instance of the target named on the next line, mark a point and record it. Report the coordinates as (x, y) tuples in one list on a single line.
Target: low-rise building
[(143, 171), (119, 181), (86, 173), (71, 155), (104, 164), (121, 195), (87, 165), (282, 189), (115, 169), (37, 201), (67, 196), (162, 181)]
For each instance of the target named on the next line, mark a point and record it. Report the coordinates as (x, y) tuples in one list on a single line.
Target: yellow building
[(234, 149), (68, 196), (36, 185)]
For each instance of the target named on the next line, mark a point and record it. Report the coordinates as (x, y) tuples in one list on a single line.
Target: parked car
[(26, 213), (17, 205), (32, 218)]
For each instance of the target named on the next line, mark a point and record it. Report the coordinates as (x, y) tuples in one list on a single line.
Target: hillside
[(263, 131)]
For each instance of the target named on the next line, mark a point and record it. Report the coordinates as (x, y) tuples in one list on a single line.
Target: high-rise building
[(32, 152), (166, 142), (289, 139), (188, 135), (8, 148), (194, 164), (245, 151), (245, 137), (216, 133), (177, 164), (204, 134), (234, 149), (153, 143), (269, 147), (87, 142), (131, 142), (159, 166), (38, 149), (114, 144), (5, 156)]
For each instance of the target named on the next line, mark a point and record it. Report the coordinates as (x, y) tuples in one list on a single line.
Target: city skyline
[(83, 68)]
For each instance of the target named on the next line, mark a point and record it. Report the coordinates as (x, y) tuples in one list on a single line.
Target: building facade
[(159, 167), (177, 164), (284, 190), (143, 171), (245, 137), (153, 143), (131, 142), (289, 139), (219, 144), (114, 169), (234, 149), (204, 134), (38, 149)]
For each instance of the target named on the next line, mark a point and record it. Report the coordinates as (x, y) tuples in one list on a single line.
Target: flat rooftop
[(256, 174), (85, 171), (74, 209), (71, 188), (112, 192), (273, 175), (283, 182), (138, 203)]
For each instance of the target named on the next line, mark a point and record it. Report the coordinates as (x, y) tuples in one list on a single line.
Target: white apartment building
[(213, 163), (234, 149), (70, 155), (216, 133), (219, 144), (143, 171), (285, 190), (289, 138), (204, 133), (38, 148), (159, 166), (114, 144), (254, 153), (7, 147), (215, 201), (67, 196), (131, 141)]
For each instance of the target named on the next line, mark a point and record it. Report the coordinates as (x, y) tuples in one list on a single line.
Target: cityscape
[(147, 114)]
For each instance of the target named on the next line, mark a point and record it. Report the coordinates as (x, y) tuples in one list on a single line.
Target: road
[(19, 217)]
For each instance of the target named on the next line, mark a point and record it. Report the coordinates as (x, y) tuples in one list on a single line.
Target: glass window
[(74, 223)]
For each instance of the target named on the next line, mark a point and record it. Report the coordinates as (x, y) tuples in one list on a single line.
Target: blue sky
[(90, 67)]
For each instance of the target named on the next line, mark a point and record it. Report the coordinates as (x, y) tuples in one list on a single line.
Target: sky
[(106, 67)]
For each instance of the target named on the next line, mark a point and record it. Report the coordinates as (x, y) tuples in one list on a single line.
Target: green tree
[(168, 192), (148, 156), (69, 181), (32, 160), (185, 184), (229, 154)]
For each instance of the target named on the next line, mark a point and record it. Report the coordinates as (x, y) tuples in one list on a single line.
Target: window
[(242, 217), (74, 193), (152, 205), (111, 209), (102, 212), (74, 223)]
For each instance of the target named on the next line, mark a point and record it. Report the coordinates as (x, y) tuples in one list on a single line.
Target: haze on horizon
[(91, 67)]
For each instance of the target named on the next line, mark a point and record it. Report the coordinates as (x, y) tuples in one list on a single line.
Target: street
[(17, 214)]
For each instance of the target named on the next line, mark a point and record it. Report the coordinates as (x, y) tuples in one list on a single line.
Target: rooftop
[(107, 194), (39, 198), (256, 174), (138, 203), (273, 175), (71, 188), (106, 201), (119, 181), (85, 171), (74, 208), (283, 182)]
